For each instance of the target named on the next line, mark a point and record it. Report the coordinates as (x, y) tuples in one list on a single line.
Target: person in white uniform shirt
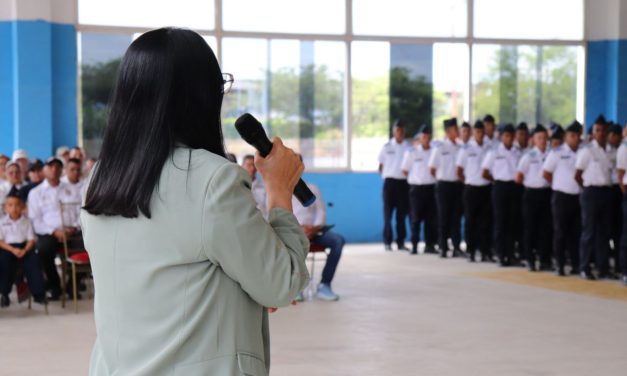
[(73, 180), (499, 166), (465, 133), (21, 157), (536, 202), (489, 127), (17, 242), (476, 196), (614, 139), (594, 172), (395, 187), (521, 142), (448, 190), (14, 182), (313, 219), (421, 191), (556, 136), (257, 188), (559, 170), (621, 167), (44, 210)]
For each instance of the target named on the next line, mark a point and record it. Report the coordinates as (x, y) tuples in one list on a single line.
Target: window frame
[(347, 38)]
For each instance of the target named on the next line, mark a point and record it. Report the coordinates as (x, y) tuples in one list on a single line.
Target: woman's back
[(183, 292)]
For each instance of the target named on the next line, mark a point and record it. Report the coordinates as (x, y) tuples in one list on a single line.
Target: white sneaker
[(325, 293)]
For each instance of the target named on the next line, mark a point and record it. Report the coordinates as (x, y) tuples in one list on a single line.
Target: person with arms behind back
[(183, 262)]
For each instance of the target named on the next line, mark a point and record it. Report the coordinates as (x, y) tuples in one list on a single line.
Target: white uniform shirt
[(621, 159), (416, 162), (530, 166), (258, 190), (502, 163), (444, 159), (595, 164), (561, 163), (16, 231), (611, 155), (313, 215), (470, 159), (44, 207), (391, 157)]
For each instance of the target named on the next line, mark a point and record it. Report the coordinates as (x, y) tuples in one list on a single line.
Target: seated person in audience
[(45, 213), (73, 180), (257, 187), (14, 181), (313, 218), (63, 153), (77, 153), (21, 157), (17, 242), (36, 176), (89, 164), (3, 164)]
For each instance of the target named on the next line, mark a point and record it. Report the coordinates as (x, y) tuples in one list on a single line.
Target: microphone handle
[(301, 191)]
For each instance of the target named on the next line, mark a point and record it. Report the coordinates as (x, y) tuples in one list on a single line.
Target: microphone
[(252, 132)]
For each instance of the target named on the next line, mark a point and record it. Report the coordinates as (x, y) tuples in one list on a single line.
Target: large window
[(296, 88), (285, 16), (330, 77), (537, 84), (534, 19), (195, 14), (421, 18)]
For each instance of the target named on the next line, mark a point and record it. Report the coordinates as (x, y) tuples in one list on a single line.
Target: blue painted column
[(38, 80), (606, 65)]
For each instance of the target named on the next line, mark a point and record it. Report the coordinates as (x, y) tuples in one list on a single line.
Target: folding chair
[(314, 249), (74, 256)]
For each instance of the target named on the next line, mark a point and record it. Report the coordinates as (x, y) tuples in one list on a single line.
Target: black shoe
[(504, 263), (5, 301), (457, 252), (608, 275), (54, 296), (402, 248), (82, 287), (546, 267), (560, 272), (388, 247), (443, 254), (413, 252), (471, 258), (430, 249), (414, 249), (487, 258), (587, 276), (40, 299)]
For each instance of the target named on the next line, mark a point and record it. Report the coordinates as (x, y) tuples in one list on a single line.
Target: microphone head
[(250, 128)]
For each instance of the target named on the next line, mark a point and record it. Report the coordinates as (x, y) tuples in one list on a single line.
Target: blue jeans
[(335, 242)]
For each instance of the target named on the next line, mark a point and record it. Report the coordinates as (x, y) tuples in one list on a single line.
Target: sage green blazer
[(183, 293)]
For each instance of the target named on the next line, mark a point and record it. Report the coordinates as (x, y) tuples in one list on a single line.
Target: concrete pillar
[(38, 76), (606, 65)]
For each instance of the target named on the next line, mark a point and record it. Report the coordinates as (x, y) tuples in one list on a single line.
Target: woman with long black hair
[(183, 261)]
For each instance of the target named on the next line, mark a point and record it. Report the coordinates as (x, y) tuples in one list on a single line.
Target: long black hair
[(169, 90)]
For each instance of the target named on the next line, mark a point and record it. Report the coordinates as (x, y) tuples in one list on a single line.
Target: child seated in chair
[(17, 242)]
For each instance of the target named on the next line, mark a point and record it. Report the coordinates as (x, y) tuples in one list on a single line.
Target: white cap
[(18, 154), (62, 150)]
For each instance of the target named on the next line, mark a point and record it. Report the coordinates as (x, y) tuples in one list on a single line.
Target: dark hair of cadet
[(169, 90)]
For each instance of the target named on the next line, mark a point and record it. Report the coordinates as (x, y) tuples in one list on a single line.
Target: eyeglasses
[(227, 80)]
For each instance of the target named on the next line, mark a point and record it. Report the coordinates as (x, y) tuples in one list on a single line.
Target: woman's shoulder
[(205, 164)]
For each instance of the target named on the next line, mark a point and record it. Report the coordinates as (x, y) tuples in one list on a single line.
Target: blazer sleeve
[(266, 258)]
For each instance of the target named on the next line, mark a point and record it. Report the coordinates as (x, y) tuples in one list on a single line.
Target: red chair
[(314, 249)]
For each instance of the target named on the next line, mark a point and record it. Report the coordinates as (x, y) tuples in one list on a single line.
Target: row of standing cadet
[(551, 201)]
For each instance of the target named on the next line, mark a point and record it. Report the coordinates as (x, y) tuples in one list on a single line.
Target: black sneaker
[(430, 249), (402, 247), (5, 301), (560, 272), (414, 249), (608, 275)]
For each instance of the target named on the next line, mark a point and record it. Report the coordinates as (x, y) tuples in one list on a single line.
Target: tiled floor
[(399, 315)]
